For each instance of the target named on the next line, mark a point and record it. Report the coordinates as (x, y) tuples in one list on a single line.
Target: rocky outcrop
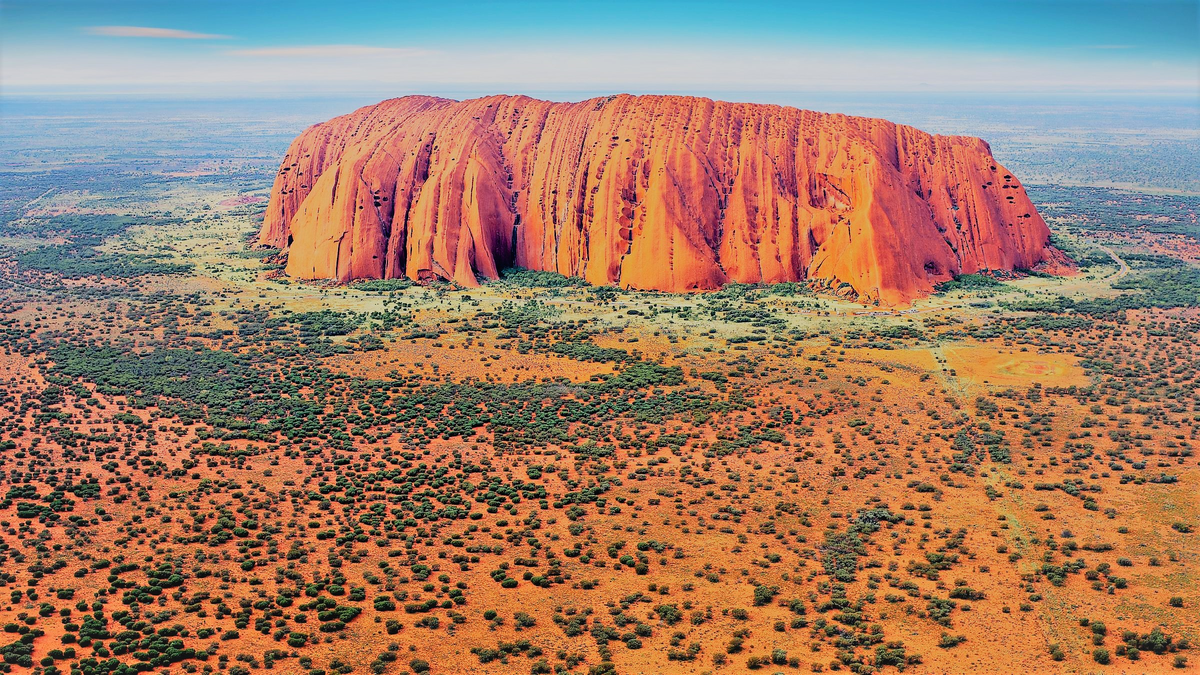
[(651, 192)]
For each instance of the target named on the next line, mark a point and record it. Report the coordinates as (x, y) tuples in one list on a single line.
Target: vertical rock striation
[(652, 192)]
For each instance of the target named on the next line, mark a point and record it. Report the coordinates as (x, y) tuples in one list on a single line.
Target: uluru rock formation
[(669, 193)]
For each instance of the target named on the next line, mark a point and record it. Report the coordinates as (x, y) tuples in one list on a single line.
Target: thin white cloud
[(330, 51), (147, 32)]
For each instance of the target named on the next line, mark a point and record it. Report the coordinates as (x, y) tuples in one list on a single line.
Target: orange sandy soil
[(813, 431), (1177, 246)]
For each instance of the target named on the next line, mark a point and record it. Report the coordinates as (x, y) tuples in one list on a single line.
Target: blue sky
[(307, 47)]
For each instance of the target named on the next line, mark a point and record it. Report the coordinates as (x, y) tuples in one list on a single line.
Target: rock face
[(650, 192)]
